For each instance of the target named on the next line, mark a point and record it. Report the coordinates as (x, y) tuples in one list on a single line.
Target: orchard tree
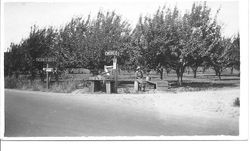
[(174, 41), (166, 39), (108, 33), (83, 43), (216, 48), (234, 53), (151, 37), (21, 58), (199, 21), (144, 44), (71, 44), (14, 60), (39, 44)]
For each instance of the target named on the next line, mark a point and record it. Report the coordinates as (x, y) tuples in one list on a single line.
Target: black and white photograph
[(115, 70)]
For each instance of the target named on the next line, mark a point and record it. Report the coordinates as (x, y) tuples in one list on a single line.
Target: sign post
[(116, 74), (47, 75), (47, 69), (115, 68)]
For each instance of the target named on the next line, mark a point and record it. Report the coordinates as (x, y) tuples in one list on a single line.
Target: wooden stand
[(92, 86), (108, 87), (96, 84), (136, 86), (116, 81)]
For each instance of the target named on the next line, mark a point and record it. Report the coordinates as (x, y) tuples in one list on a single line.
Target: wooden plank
[(152, 83), (136, 86), (92, 86), (108, 87), (162, 84), (116, 81), (162, 88)]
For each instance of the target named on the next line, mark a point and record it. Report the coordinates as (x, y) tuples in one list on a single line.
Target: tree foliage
[(167, 39), (175, 41), (22, 57), (83, 43)]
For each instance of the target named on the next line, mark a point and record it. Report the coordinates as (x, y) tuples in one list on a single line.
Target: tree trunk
[(194, 71), (204, 69), (194, 74), (56, 77), (178, 76), (161, 73), (168, 71), (219, 74), (216, 72), (232, 70), (181, 79), (179, 73)]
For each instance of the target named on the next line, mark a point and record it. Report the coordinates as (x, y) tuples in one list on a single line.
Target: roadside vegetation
[(168, 40), (37, 85), (237, 102)]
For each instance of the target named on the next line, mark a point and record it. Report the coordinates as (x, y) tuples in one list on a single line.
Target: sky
[(20, 16)]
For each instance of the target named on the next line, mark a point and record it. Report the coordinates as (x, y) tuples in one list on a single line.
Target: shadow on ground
[(197, 86)]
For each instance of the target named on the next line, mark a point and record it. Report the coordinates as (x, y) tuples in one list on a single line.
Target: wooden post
[(47, 73), (136, 85), (92, 86), (47, 60), (116, 74), (108, 86), (115, 68)]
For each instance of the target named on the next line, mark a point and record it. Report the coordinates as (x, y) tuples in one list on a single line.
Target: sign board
[(108, 69), (111, 53), (48, 69), (45, 59)]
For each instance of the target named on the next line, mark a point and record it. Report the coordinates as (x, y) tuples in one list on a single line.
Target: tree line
[(166, 39)]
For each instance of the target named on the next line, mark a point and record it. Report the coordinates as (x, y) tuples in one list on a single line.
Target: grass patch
[(71, 82), (23, 84), (37, 85), (64, 87)]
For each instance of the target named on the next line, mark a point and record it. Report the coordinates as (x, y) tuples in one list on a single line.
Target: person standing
[(139, 78), (139, 73)]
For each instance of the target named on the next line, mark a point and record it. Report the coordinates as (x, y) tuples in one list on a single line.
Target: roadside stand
[(109, 77)]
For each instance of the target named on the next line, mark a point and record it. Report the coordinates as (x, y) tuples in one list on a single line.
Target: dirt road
[(189, 113)]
